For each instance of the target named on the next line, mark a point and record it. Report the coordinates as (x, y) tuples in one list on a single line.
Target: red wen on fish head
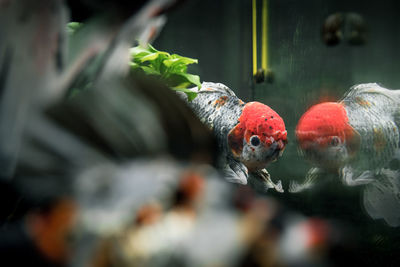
[(259, 137), (326, 137), (323, 124)]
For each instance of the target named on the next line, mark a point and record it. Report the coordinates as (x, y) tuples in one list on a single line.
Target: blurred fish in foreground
[(50, 144), (34, 45), (91, 138), (160, 233), (359, 137)]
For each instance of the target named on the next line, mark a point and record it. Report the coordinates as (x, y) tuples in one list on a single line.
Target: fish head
[(325, 135), (259, 137)]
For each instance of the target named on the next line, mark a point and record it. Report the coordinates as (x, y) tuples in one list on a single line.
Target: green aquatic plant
[(171, 68), (72, 27)]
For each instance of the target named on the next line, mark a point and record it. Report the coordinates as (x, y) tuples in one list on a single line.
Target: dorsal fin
[(216, 87), (371, 88), (361, 88)]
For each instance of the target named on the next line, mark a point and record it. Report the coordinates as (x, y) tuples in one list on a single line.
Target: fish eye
[(335, 141), (255, 140)]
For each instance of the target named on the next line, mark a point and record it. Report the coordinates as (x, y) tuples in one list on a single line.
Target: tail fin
[(261, 180), (381, 198), (309, 182)]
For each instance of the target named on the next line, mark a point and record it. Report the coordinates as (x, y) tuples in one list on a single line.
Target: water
[(306, 71), (87, 150)]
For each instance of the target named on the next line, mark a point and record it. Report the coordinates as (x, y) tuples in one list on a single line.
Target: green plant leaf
[(193, 79), (183, 80), (149, 70), (139, 52), (151, 48), (170, 68), (178, 60), (150, 57), (72, 27), (155, 55)]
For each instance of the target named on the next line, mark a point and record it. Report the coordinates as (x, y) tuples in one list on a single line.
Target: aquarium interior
[(303, 70), (306, 71)]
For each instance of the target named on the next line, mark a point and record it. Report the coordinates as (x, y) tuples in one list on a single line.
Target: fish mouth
[(321, 159), (276, 154), (275, 150), (270, 154)]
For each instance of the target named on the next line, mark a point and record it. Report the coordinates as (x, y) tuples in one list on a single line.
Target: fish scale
[(371, 110), (218, 107)]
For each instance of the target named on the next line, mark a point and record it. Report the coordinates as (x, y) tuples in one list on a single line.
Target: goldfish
[(358, 137), (249, 135)]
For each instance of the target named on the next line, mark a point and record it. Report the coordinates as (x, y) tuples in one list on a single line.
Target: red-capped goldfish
[(250, 135), (359, 137)]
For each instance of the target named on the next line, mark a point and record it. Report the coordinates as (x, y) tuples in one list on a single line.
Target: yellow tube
[(264, 51), (254, 37)]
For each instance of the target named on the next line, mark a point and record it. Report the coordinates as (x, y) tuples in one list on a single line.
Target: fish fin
[(396, 155), (261, 179), (396, 117), (348, 173), (353, 144), (99, 50), (32, 47), (371, 88), (152, 30), (358, 89), (381, 198), (235, 140), (363, 87), (108, 125), (210, 87), (236, 172), (309, 182)]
